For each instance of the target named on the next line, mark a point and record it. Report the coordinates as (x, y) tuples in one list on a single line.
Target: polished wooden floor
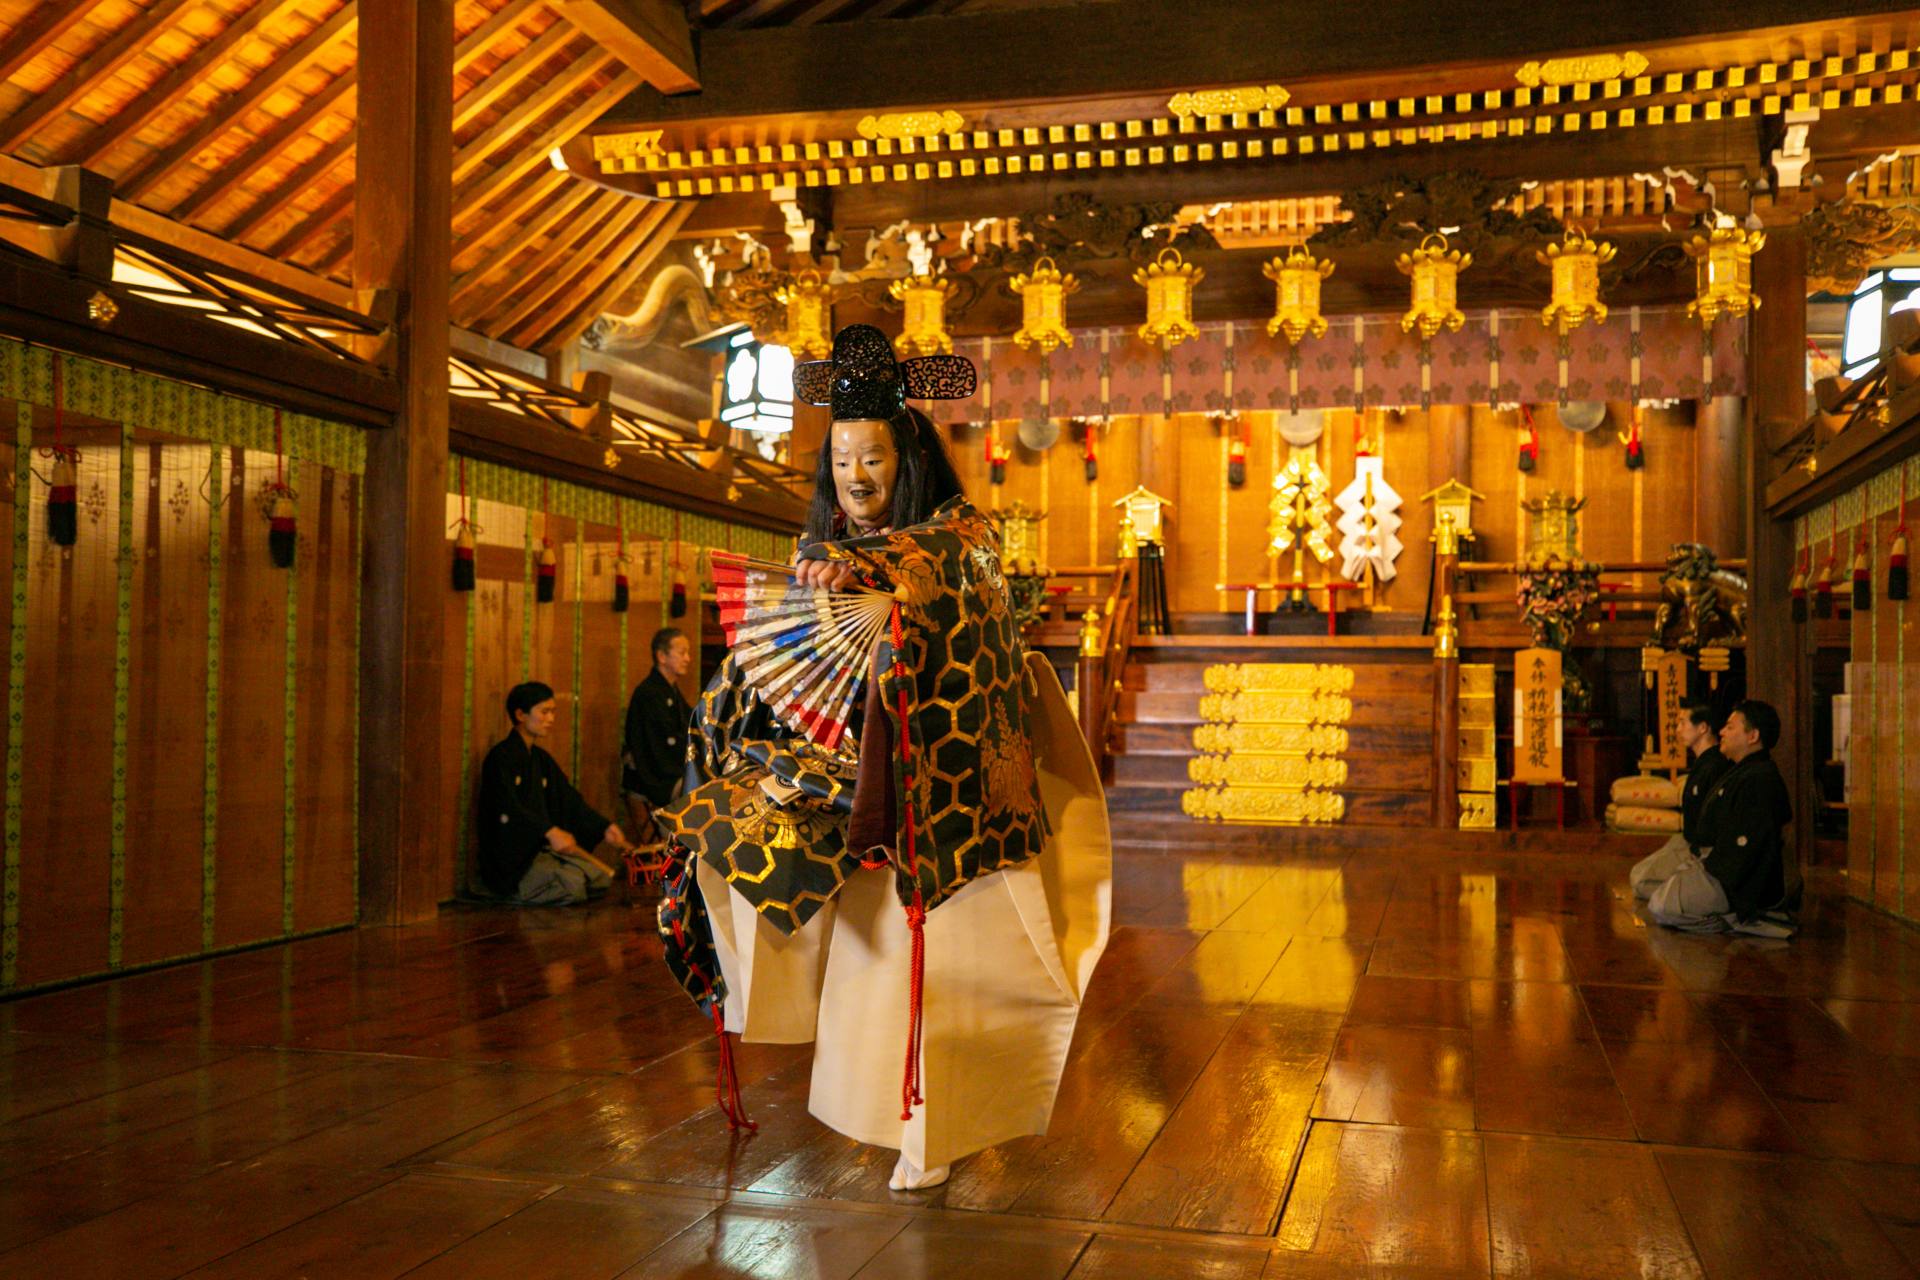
[(1398, 1066)]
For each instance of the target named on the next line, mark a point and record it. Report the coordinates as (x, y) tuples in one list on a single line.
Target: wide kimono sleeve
[(969, 795), (575, 816)]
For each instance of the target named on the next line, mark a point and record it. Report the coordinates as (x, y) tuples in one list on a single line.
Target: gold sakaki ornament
[(1435, 270), (924, 332), (1043, 306), (1169, 282), (1723, 273), (809, 328), (1296, 286), (1576, 263)]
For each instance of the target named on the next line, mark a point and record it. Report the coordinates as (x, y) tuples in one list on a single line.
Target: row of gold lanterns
[(1723, 288)]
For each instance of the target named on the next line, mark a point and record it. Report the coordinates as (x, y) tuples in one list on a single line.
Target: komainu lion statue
[(1709, 603)]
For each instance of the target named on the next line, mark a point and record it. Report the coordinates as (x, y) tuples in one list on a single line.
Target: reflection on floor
[(1382, 1066)]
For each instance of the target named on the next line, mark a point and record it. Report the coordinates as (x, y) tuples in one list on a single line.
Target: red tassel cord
[(281, 531), (1529, 451), (677, 603), (910, 1082), (1636, 452), (1897, 554), (463, 531), (1237, 462), (1090, 455), (621, 594), (1862, 578), (63, 484), (726, 1084), (1823, 585), (547, 572), (1797, 589), (997, 455)]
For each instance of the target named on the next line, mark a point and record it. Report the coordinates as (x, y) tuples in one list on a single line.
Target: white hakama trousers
[(1008, 958)]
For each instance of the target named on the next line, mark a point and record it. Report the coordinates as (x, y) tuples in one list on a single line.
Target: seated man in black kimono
[(1739, 883), (535, 829), (1702, 739), (658, 720)]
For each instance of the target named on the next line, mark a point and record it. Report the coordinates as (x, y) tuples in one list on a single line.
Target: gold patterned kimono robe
[(797, 931)]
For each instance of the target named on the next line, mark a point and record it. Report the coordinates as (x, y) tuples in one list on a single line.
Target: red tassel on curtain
[(1237, 462), (63, 487), (1862, 578), (547, 572), (1636, 451), (1530, 451), (910, 1082), (1091, 453), (1897, 556), (1823, 584), (1797, 588), (677, 603), (463, 551), (620, 592), (281, 532)]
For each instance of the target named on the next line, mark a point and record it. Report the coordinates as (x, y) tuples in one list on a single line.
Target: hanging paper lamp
[(1169, 280), (1576, 263), (924, 332), (1296, 288), (1043, 306), (1435, 270)]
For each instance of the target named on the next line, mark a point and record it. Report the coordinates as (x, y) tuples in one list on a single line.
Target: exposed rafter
[(551, 212), (45, 24), (634, 264), (122, 47), (535, 152), (515, 122), (237, 172), (337, 206), (235, 106), (546, 270), (650, 37), (503, 217), (567, 288), (297, 182), (503, 78)]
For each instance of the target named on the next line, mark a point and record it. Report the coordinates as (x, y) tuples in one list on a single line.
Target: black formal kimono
[(523, 795), (1741, 821), (658, 718), (1707, 769)]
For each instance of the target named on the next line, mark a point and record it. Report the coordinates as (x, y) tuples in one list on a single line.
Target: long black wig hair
[(926, 477)]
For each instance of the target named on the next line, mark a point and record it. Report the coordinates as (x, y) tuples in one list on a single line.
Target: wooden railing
[(1105, 643)]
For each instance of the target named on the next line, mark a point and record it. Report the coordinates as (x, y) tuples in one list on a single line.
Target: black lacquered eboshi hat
[(864, 380)]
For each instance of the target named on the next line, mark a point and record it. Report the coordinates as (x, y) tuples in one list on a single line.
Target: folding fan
[(805, 652)]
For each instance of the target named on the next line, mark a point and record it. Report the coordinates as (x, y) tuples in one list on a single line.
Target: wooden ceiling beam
[(634, 265), (114, 53), (508, 214), (535, 152), (281, 198), (1695, 146), (237, 172), (1095, 51), (510, 73), (178, 83), (584, 279), (515, 122), (567, 252), (45, 23), (550, 213), (481, 38), (650, 37), (337, 206)]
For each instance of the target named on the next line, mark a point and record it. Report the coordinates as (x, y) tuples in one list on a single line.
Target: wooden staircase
[(1390, 737)]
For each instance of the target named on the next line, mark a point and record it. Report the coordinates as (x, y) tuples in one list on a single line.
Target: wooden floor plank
[(1371, 1199), (785, 1240), (1121, 1258), (1416, 1077), (1575, 1208), (1408, 1002), (580, 1233), (951, 1249), (1763, 1217)]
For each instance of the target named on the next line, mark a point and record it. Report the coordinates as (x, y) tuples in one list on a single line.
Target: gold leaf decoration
[(1263, 805), (911, 124), (1277, 708), (1226, 102), (1291, 772), (1584, 70), (620, 146), (1278, 677), (1271, 739)]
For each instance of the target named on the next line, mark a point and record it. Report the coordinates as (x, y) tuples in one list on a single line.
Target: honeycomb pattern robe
[(779, 922)]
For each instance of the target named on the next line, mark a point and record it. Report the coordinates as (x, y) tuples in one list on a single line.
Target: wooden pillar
[(1720, 470), (1449, 451), (402, 242), (1779, 664), (1449, 454)]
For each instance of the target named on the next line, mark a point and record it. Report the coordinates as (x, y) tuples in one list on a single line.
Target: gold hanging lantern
[(1169, 281), (924, 332), (1723, 273), (1436, 280), (809, 303), (1576, 263), (1043, 306), (1296, 287)]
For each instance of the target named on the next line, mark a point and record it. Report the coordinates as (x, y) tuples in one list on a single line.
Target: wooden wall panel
[(67, 785), (603, 700), (553, 637), (166, 725), (326, 562), (12, 492), (1889, 764), (247, 901)]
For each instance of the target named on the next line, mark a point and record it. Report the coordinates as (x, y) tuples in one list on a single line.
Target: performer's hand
[(559, 838), (824, 575), (616, 837)]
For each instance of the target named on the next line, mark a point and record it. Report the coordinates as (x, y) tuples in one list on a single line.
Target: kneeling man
[(1739, 882), (1683, 848), (535, 829)]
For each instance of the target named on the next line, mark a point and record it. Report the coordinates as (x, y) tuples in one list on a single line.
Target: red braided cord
[(910, 1094)]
